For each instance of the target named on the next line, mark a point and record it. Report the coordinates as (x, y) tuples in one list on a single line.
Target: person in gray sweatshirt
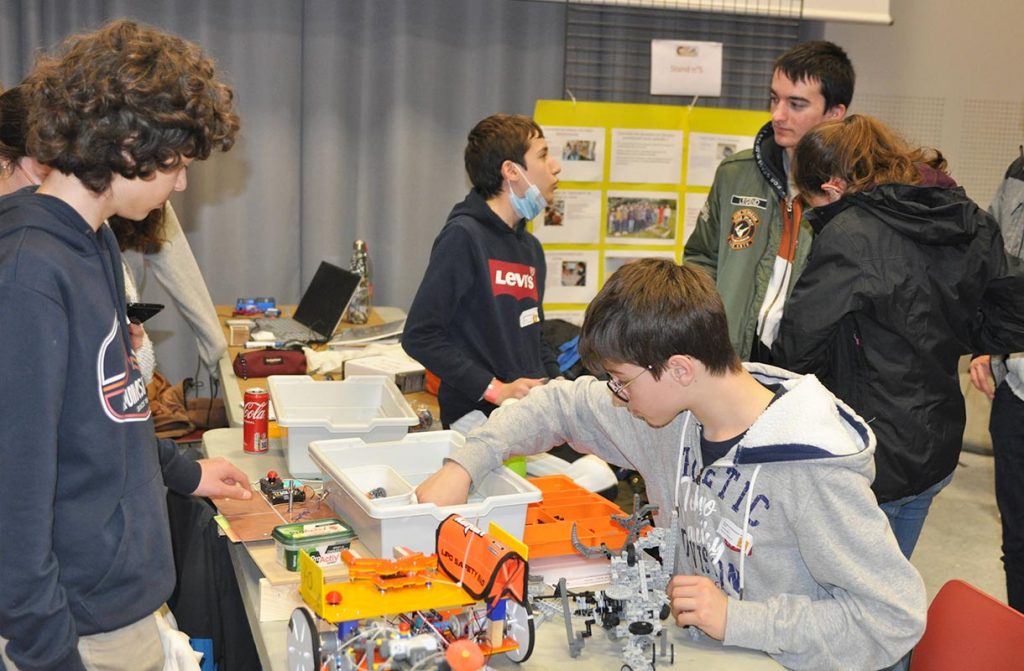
[(782, 546)]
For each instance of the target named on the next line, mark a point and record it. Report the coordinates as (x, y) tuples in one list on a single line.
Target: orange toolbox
[(548, 531)]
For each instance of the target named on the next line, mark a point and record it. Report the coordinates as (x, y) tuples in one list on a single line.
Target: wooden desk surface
[(234, 387)]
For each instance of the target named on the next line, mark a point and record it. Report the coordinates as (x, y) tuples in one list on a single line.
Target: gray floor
[(961, 536)]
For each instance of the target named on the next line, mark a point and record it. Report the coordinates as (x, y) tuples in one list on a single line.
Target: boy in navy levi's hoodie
[(117, 116), (763, 475), (476, 319)]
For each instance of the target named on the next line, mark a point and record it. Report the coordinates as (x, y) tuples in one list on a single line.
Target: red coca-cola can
[(254, 425)]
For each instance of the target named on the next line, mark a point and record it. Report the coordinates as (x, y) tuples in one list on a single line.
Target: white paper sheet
[(694, 204), (707, 151), (646, 156), (615, 259), (572, 276), (580, 150), (574, 215)]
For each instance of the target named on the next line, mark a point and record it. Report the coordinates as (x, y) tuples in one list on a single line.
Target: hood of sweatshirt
[(21, 211), (62, 222), (476, 207), (769, 159), (929, 215), (806, 423)]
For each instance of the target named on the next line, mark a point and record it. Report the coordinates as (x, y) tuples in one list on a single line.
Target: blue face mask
[(530, 204)]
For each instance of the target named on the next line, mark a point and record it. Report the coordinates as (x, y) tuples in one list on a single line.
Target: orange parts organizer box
[(549, 522)]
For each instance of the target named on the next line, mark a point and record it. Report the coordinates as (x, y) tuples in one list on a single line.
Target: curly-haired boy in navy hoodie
[(117, 116)]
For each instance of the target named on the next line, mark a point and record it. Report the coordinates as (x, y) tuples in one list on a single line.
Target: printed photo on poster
[(572, 276), (694, 203), (573, 215), (646, 156), (707, 151), (614, 259), (642, 217), (574, 273), (580, 151), (554, 214)]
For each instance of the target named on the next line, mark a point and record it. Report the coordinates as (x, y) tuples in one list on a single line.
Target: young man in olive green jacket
[(751, 236)]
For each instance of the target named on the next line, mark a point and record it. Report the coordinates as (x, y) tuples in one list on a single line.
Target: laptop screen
[(323, 304)]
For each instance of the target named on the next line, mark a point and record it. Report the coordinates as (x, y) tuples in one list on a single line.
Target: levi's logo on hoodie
[(515, 279), (121, 386)]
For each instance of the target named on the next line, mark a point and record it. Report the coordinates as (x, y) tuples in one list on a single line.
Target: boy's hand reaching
[(498, 392), (697, 601), (448, 487), (222, 478)]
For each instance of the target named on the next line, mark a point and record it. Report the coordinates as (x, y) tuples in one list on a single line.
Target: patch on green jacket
[(749, 201)]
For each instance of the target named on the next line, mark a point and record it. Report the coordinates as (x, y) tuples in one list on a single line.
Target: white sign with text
[(686, 68)]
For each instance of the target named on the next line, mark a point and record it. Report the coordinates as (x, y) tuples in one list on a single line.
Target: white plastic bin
[(501, 497), (389, 488), (369, 407)]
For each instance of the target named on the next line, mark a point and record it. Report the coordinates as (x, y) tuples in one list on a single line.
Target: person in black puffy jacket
[(906, 274)]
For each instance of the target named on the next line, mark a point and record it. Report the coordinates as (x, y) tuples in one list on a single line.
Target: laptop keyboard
[(286, 328)]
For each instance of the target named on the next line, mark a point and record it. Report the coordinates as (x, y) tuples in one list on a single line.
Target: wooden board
[(255, 519)]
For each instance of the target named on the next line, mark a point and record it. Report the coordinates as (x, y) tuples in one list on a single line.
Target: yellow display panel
[(628, 143)]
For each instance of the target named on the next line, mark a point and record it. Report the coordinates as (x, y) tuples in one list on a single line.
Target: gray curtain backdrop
[(354, 119)]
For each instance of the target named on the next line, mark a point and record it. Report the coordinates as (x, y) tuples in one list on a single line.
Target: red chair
[(968, 629)]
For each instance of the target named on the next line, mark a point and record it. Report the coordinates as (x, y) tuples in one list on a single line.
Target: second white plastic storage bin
[(357, 468), (369, 407)]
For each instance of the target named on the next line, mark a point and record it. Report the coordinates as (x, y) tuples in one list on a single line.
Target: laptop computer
[(320, 309)]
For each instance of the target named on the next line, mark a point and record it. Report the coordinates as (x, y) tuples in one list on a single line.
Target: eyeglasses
[(619, 388)]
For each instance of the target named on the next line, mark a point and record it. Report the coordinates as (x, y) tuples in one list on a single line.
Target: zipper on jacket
[(789, 255)]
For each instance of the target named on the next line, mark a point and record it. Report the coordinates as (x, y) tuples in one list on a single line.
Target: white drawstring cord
[(746, 525), (679, 459)]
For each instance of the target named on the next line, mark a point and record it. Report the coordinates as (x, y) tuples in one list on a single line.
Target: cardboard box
[(407, 375), (238, 331)]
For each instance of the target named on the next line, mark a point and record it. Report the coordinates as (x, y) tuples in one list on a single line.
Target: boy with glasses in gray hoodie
[(781, 547)]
